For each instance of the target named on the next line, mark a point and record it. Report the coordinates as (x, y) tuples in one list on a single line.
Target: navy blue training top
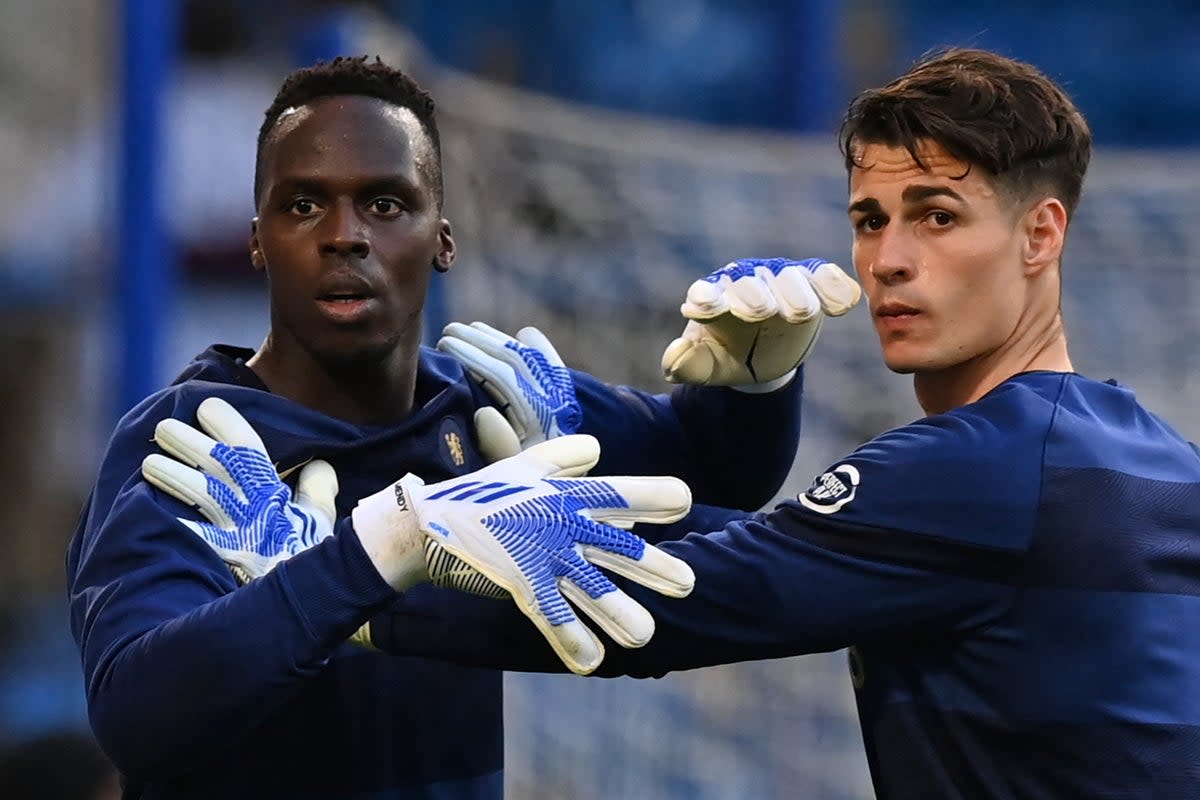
[(199, 689), (1018, 581)]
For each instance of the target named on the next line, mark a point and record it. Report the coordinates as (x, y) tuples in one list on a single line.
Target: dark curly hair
[(993, 112), (355, 76)]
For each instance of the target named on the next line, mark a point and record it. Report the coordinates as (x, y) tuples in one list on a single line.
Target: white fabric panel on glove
[(754, 321), (532, 525)]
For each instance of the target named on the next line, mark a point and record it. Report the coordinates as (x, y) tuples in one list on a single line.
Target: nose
[(343, 232), (895, 258)]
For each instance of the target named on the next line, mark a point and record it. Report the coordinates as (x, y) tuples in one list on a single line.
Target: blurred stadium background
[(598, 156)]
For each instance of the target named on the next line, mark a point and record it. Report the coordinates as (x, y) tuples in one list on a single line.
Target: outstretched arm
[(870, 553), (749, 326)]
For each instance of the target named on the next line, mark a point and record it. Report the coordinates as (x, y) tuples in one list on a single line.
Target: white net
[(590, 225)]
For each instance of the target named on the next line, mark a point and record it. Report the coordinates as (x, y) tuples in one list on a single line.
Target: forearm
[(743, 445), (465, 630), (182, 692), (699, 518), (473, 631), (733, 449)]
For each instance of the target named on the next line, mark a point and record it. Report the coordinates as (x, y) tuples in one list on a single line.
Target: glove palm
[(524, 375), (754, 321), (534, 526)]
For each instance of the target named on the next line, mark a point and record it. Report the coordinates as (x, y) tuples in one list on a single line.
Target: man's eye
[(302, 206), (941, 218), (871, 223), (387, 206)]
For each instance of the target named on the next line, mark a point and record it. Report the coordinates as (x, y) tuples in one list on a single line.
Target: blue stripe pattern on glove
[(267, 522), (540, 535), (553, 399)]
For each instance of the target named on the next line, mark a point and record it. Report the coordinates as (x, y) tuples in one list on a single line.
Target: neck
[(367, 391), (1041, 348)]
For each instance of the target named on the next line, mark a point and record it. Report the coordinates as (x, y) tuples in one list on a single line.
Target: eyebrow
[(868, 205), (912, 194), (917, 193)]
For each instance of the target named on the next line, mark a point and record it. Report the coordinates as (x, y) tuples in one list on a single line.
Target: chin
[(358, 353), (901, 368), (906, 361), (901, 362)]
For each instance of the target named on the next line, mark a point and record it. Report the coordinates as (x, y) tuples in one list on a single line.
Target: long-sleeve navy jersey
[(1018, 581), (199, 689)]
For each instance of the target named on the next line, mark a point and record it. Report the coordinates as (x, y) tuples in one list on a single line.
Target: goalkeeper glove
[(753, 322), (533, 526), (524, 375), (527, 524), (253, 523)]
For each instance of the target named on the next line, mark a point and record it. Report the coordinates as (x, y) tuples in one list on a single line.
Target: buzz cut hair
[(359, 76)]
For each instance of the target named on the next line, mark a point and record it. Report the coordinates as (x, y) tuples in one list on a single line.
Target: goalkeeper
[(1017, 574), (199, 688)]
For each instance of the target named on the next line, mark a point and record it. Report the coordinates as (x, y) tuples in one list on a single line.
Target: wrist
[(390, 533)]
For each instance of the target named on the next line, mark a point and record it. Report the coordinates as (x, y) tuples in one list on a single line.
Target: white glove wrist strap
[(768, 386), (390, 533)]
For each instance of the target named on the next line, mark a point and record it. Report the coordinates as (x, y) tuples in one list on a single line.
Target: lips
[(344, 287), (345, 298), (892, 309)]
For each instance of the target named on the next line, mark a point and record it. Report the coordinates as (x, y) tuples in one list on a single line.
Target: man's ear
[(1045, 232), (257, 259), (447, 250)]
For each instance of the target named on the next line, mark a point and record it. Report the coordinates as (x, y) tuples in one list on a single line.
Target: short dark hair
[(354, 76), (993, 112)]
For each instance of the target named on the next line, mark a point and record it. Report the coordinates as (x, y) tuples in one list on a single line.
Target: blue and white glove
[(753, 322), (524, 375), (528, 526), (532, 525), (253, 522)]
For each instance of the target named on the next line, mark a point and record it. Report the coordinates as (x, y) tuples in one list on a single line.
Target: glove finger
[(316, 490), (192, 448), (616, 613), (574, 643), (495, 376), (791, 287), (566, 456), (189, 486), (626, 499), (656, 569), (223, 422), (496, 343), (505, 348), (706, 299), (837, 290), (751, 300), (688, 361), (532, 337), (497, 438)]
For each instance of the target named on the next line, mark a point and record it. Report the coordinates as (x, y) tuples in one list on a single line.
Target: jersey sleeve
[(922, 531), (178, 666), (733, 449)]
